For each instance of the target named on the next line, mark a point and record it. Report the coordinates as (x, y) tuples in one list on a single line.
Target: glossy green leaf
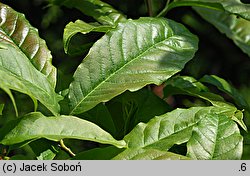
[(15, 30), (180, 126), (101, 11), (79, 26), (235, 7), (17, 73), (148, 154), (189, 86), (224, 86), (36, 125), (25, 62), (186, 85), (124, 60), (162, 132), (234, 27), (215, 137)]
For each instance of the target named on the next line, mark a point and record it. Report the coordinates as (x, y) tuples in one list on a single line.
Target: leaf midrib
[(118, 70)]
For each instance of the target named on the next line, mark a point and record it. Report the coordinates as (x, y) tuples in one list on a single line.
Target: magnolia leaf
[(215, 137), (189, 86), (235, 7), (224, 86), (100, 11), (123, 60), (25, 61), (15, 30), (162, 132), (79, 26), (36, 125), (180, 126), (234, 27), (148, 154)]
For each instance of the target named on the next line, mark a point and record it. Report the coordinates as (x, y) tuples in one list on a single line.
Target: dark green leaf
[(36, 125), (215, 137), (123, 60), (189, 86), (106, 153), (101, 11), (224, 86), (235, 7), (235, 28)]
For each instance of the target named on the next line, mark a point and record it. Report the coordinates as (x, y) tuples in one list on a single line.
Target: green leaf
[(25, 62), (162, 132), (136, 53), (234, 27), (179, 126), (15, 30), (100, 11), (215, 137), (235, 7), (189, 86), (148, 154), (36, 125), (79, 26), (224, 86), (7, 90), (238, 117)]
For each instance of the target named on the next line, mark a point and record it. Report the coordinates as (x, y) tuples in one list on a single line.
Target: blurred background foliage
[(216, 55)]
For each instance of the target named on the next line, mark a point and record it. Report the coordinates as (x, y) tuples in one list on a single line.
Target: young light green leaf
[(124, 60), (215, 137), (235, 7), (234, 27), (148, 154), (79, 26), (15, 30), (36, 125), (25, 61), (238, 117), (224, 86), (46, 155), (101, 11)]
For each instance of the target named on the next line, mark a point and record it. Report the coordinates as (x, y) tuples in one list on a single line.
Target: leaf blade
[(216, 137), (55, 128), (123, 60)]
